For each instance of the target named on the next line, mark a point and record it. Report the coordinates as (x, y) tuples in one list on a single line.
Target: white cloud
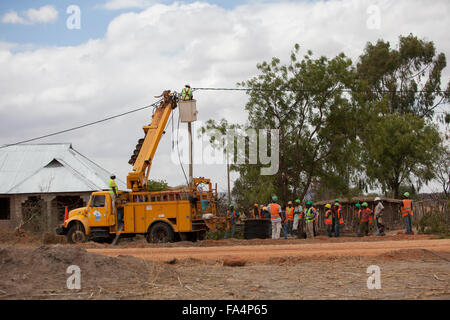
[(45, 14), (165, 46), (127, 4), (12, 17)]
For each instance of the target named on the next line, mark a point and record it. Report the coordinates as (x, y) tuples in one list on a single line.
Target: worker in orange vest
[(289, 218), (275, 216), (256, 212), (329, 219), (337, 218), (364, 216), (407, 213)]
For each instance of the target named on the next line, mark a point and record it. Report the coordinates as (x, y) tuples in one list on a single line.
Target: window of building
[(5, 209)]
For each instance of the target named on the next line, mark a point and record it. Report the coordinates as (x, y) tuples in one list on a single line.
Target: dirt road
[(260, 252), (274, 269)]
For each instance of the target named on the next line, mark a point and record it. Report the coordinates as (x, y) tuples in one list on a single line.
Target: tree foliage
[(305, 101), (398, 91), (157, 185)]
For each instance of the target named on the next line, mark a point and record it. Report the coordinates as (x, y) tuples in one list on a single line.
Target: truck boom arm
[(145, 151)]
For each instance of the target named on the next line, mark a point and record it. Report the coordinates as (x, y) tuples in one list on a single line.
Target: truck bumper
[(60, 230)]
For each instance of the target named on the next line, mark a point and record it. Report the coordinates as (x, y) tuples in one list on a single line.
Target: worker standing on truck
[(378, 217), (186, 93), (310, 215), (275, 215), (407, 213), (234, 215), (329, 220), (113, 192)]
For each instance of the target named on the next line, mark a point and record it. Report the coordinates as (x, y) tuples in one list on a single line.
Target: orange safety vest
[(369, 214), (328, 217), (274, 211), (289, 214), (341, 219), (406, 207)]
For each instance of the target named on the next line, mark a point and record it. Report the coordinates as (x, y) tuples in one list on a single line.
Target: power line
[(84, 125), (312, 90)]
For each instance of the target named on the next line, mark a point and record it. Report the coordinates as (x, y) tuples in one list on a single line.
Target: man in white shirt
[(379, 208)]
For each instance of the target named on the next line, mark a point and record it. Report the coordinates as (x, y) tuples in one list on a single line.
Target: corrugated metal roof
[(49, 168)]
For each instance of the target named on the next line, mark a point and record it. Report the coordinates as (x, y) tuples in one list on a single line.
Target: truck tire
[(160, 232), (76, 234)]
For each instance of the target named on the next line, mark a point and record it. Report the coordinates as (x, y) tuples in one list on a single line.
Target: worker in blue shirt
[(231, 213)]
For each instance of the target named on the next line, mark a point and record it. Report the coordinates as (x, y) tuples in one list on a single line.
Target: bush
[(432, 223)]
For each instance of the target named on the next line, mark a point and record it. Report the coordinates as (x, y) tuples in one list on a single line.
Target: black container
[(257, 228)]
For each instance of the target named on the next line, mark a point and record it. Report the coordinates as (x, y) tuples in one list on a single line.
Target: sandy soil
[(272, 269), (264, 252)]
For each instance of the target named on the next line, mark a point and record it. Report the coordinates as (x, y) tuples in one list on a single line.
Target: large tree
[(306, 102), (397, 93)]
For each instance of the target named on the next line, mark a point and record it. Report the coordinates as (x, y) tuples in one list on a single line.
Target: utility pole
[(191, 167), (228, 178)]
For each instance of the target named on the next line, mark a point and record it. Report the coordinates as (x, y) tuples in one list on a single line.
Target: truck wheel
[(76, 234), (160, 233)]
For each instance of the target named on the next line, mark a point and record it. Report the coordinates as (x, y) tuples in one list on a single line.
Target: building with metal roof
[(44, 178)]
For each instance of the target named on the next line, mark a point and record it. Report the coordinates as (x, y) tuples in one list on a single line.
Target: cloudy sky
[(66, 63)]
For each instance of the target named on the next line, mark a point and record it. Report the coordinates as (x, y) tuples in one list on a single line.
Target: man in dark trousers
[(231, 213)]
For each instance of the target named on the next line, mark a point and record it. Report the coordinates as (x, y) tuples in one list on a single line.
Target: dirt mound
[(42, 272), (52, 238), (413, 255)]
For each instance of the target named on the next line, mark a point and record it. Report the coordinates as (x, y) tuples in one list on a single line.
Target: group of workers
[(303, 222)]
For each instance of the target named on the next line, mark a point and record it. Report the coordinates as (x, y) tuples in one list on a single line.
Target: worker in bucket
[(186, 93), (231, 212), (275, 215)]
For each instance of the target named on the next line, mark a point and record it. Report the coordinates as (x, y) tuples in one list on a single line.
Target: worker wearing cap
[(298, 212), (337, 218), (310, 215), (364, 216), (256, 212), (289, 217), (407, 213), (231, 213), (379, 208), (275, 215), (186, 93), (329, 220)]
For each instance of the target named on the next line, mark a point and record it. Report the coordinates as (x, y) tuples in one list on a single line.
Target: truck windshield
[(98, 201)]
